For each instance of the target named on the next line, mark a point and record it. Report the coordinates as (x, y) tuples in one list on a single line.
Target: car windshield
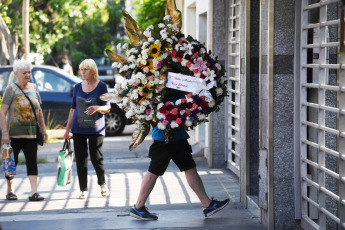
[(103, 60)]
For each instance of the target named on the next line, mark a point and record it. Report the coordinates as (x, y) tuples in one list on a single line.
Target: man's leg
[(147, 185), (196, 184)]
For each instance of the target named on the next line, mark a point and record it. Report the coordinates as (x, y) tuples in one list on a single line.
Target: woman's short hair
[(90, 64), (21, 64)]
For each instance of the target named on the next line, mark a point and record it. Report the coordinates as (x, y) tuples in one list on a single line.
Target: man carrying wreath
[(179, 150)]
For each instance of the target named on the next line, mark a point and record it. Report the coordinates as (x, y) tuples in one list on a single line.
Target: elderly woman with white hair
[(87, 124), (18, 124)]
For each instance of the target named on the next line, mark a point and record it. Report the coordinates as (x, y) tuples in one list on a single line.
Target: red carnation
[(196, 54), (188, 111), (195, 71), (179, 59), (202, 76), (170, 107), (169, 117), (173, 54), (196, 111), (178, 121), (162, 110), (189, 104), (179, 54), (188, 64), (180, 42), (203, 104)]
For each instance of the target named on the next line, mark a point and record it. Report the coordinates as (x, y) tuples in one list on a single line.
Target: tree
[(149, 12), (79, 27)]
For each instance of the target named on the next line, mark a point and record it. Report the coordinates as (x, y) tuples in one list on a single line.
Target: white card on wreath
[(184, 82)]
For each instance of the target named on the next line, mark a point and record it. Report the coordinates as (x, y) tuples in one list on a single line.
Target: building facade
[(282, 128)]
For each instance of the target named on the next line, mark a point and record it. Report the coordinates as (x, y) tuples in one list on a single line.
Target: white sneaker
[(83, 195), (104, 190)]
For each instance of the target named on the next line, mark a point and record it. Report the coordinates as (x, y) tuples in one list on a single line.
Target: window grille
[(322, 106), (233, 158)]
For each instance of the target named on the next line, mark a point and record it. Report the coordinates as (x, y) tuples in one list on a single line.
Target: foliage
[(149, 12), (40, 160), (77, 27)]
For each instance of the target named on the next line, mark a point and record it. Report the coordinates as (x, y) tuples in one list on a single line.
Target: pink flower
[(188, 64), (146, 69), (167, 103), (195, 71), (188, 111), (141, 93), (179, 59), (159, 65), (180, 42), (189, 95), (178, 121), (165, 122), (148, 111), (135, 83), (175, 111), (195, 106), (200, 64), (183, 100), (151, 78)]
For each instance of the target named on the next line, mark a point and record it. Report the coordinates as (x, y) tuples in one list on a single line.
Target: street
[(172, 199)]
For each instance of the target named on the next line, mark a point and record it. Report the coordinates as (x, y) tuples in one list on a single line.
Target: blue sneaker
[(142, 213), (214, 207)]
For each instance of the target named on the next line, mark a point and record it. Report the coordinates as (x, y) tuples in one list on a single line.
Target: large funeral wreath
[(157, 66)]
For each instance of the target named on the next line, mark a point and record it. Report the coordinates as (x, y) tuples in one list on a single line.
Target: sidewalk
[(172, 200)]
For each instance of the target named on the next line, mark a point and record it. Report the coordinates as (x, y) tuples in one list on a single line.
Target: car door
[(56, 93)]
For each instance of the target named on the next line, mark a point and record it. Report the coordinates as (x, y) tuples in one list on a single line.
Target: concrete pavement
[(172, 200)]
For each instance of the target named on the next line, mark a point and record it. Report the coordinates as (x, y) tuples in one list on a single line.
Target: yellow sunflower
[(155, 50)]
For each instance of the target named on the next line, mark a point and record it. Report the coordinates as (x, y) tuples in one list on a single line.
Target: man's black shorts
[(178, 151)]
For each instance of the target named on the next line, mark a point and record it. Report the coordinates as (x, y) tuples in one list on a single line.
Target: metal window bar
[(233, 158), (313, 108)]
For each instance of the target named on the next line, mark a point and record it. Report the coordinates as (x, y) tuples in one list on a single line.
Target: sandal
[(11, 196), (104, 190), (83, 195), (36, 197)]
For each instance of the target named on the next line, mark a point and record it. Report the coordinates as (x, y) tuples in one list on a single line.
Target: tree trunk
[(26, 38), (8, 46)]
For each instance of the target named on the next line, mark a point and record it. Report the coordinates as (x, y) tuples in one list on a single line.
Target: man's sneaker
[(214, 207), (142, 213)]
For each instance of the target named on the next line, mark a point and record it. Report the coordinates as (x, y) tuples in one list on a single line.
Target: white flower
[(209, 74), (219, 91), (218, 66), (159, 105), (154, 63), (174, 37), (167, 17), (161, 126), (161, 25), (177, 47), (132, 66), (131, 58), (188, 48), (145, 44), (149, 117), (156, 74), (118, 46), (144, 81), (114, 65), (201, 116), (157, 42), (160, 115), (182, 112), (202, 51), (147, 33), (188, 123), (143, 61), (125, 46), (150, 27), (173, 124), (156, 80), (184, 62), (150, 39), (151, 84), (129, 113), (169, 40), (211, 104), (178, 102), (164, 36), (145, 56), (189, 100)]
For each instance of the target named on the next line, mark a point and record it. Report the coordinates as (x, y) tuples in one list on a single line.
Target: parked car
[(56, 90), (106, 72)]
